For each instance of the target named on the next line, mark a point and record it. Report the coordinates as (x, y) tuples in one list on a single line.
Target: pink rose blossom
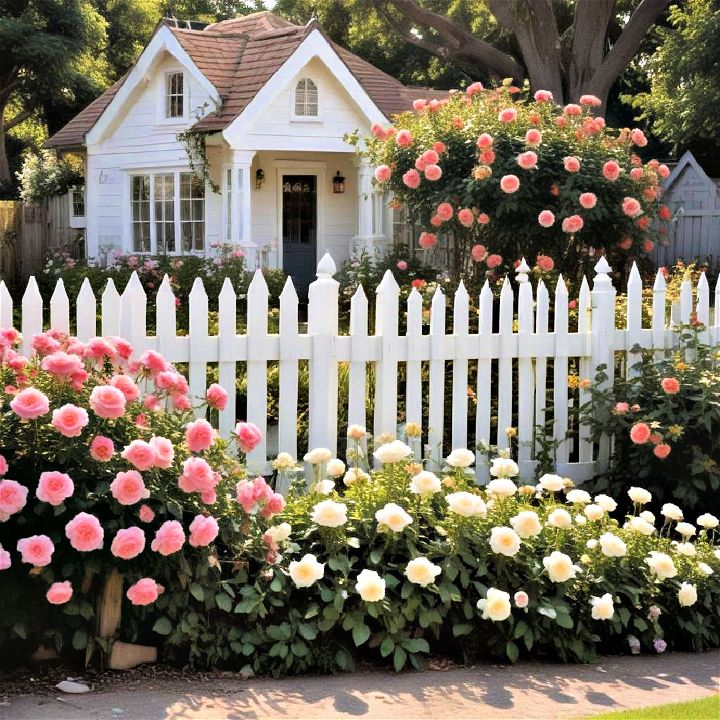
[(670, 385), (411, 179), (444, 211), (485, 140), (638, 137), (631, 207), (54, 487), (533, 137), (164, 452), (543, 96), (181, 402), (419, 104), (545, 263), (404, 138), (382, 173), (427, 240), (483, 219), (59, 593), (153, 361), (217, 397), (248, 436), (663, 171), (640, 433), (571, 163), (85, 532), (493, 261), (590, 100), (661, 451), (433, 172), (203, 530), (125, 384), (197, 476), (527, 160), (466, 217), (507, 115), (621, 408), (100, 348), (69, 420), (146, 514), (611, 170), (169, 538), (509, 183), (5, 560), (144, 592), (101, 448), (521, 599), (546, 218), (36, 550), (3, 466), (13, 497), (430, 157), (625, 243), (572, 224), (128, 543), (30, 404), (199, 435), (478, 252), (107, 401), (128, 488), (401, 265), (588, 200), (474, 88), (61, 364), (572, 110), (45, 344), (140, 454)]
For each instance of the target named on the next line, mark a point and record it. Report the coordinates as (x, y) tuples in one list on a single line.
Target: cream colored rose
[(580, 519), (335, 468), (559, 566), (551, 483), (594, 512), (612, 546), (639, 525), (460, 458), (686, 548), (504, 541), (504, 467), (425, 482), (647, 516), (354, 475), (392, 452), (495, 605), (329, 513), (501, 487), (283, 462), (716, 553), (466, 504), (672, 512), (356, 432), (279, 532), (370, 586), (686, 529), (687, 594), (317, 456), (526, 524), (602, 607), (559, 519), (421, 571), (306, 571), (393, 517), (578, 497), (324, 487), (661, 564), (705, 569), (708, 521), (606, 502), (639, 495)]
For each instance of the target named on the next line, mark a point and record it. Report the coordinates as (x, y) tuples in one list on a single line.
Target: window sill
[(306, 120)]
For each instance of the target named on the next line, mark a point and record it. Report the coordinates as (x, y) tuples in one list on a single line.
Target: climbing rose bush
[(510, 175)]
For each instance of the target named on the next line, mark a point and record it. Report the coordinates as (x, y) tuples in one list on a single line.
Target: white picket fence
[(521, 341)]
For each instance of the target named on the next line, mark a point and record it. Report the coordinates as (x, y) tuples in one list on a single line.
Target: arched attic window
[(306, 98)]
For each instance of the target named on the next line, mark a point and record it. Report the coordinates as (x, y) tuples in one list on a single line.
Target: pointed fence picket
[(532, 340)]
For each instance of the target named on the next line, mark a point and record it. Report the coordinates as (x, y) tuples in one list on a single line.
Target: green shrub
[(46, 174)]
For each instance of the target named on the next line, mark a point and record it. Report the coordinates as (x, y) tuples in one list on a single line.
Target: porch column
[(364, 235), (241, 204)]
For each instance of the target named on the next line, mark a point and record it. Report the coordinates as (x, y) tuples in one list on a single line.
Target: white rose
[(502, 467), (335, 467), (394, 517), (329, 513), (495, 605), (356, 432), (279, 532), (686, 529), (647, 516), (591, 544), (559, 519), (552, 483), (579, 497), (284, 461), (606, 502), (716, 553), (526, 524), (580, 519), (687, 594), (708, 521), (560, 566), (639, 495), (460, 458), (370, 586), (672, 512), (354, 475), (466, 504), (306, 571), (501, 487), (504, 541), (421, 571), (686, 548), (705, 569), (612, 546), (425, 482), (594, 512), (602, 607), (324, 487), (392, 452), (640, 525), (317, 456), (661, 564)]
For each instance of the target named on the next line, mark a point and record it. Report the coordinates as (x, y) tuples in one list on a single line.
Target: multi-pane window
[(140, 205), (228, 204), (78, 202), (174, 95), (165, 213), (192, 212), (306, 98)]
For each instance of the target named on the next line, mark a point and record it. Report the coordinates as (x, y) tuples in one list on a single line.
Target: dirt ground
[(527, 691)]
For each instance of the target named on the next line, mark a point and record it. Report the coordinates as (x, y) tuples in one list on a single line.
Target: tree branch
[(20, 117)]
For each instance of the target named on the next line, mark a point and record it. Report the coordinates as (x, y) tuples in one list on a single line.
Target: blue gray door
[(299, 229)]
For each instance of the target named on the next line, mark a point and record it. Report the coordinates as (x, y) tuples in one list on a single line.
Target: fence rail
[(525, 347)]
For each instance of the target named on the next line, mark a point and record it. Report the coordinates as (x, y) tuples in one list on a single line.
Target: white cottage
[(273, 101)]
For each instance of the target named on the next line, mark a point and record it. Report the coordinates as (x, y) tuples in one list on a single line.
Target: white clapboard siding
[(526, 333)]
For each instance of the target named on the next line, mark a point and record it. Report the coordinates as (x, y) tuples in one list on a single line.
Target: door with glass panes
[(299, 229)]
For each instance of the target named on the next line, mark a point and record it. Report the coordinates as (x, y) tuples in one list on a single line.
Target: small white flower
[(591, 544), (466, 504), (392, 452), (687, 594), (460, 458), (594, 512), (639, 495), (421, 571), (495, 605), (672, 512), (354, 475), (708, 521), (504, 467), (580, 519), (661, 564), (370, 586), (393, 517), (329, 513), (306, 571), (317, 456), (559, 566), (425, 482), (284, 461), (686, 529), (501, 487), (335, 468), (606, 502), (602, 607), (686, 548), (705, 569), (279, 532), (504, 541), (526, 524), (578, 497), (552, 483), (647, 516), (612, 546), (324, 487), (640, 525), (559, 518)]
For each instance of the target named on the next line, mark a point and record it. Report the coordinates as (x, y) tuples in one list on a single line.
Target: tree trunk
[(5, 177)]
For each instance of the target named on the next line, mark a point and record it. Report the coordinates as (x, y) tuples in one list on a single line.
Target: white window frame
[(293, 104), (128, 238), (76, 221), (162, 101)]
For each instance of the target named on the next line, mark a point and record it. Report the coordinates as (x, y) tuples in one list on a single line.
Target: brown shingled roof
[(238, 57)]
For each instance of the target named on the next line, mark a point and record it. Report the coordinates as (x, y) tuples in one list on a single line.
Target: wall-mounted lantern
[(338, 183), (259, 178)]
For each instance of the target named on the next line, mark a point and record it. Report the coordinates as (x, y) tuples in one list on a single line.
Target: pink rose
[(62, 364), (521, 599), (533, 137), (153, 361), (248, 436), (588, 200), (107, 401), (545, 263), (546, 218), (382, 173), (433, 172), (404, 138), (203, 530), (59, 593), (99, 348), (36, 550), (199, 435), (69, 420), (543, 96), (30, 404), (45, 344), (427, 240), (125, 384), (444, 211), (128, 543), (572, 224), (507, 115), (590, 100), (101, 448), (640, 433), (217, 397), (419, 104), (140, 454), (485, 140), (572, 110), (474, 88), (631, 207), (483, 219), (478, 252), (466, 217), (571, 163), (128, 487), (638, 137), (527, 160), (144, 592), (430, 157), (493, 261), (663, 171), (181, 402), (54, 487), (85, 532), (164, 452), (411, 179), (621, 408), (146, 514), (197, 476), (401, 265), (5, 560), (661, 451), (670, 385), (611, 170), (169, 538), (274, 505), (3, 466), (13, 497), (509, 183), (439, 147)]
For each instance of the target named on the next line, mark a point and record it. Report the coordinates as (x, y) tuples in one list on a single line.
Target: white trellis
[(522, 342)]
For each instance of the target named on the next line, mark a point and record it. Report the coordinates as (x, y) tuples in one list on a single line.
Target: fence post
[(323, 329), (386, 329), (603, 337)]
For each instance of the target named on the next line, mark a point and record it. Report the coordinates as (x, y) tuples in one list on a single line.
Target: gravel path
[(527, 691)]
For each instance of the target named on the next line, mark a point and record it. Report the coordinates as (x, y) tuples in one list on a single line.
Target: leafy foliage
[(45, 175)]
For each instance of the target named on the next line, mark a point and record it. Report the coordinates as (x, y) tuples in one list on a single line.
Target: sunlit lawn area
[(705, 709)]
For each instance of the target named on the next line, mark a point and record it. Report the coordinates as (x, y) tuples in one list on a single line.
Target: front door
[(299, 229)]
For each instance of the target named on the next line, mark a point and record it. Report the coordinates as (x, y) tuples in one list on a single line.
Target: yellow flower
[(675, 431), (573, 381), (511, 432), (413, 430)]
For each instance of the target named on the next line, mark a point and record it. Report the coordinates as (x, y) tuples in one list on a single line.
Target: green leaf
[(247, 605), (360, 634), (276, 585), (416, 645), (564, 621), (224, 602), (163, 626), (342, 659), (640, 624), (512, 651), (399, 659), (462, 629), (197, 591), (520, 629), (547, 611), (387, 646), (80, 639), (376, 556), (309, 632)]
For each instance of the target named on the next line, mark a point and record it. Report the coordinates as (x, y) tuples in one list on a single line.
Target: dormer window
[(306, 99), (174, 95)]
